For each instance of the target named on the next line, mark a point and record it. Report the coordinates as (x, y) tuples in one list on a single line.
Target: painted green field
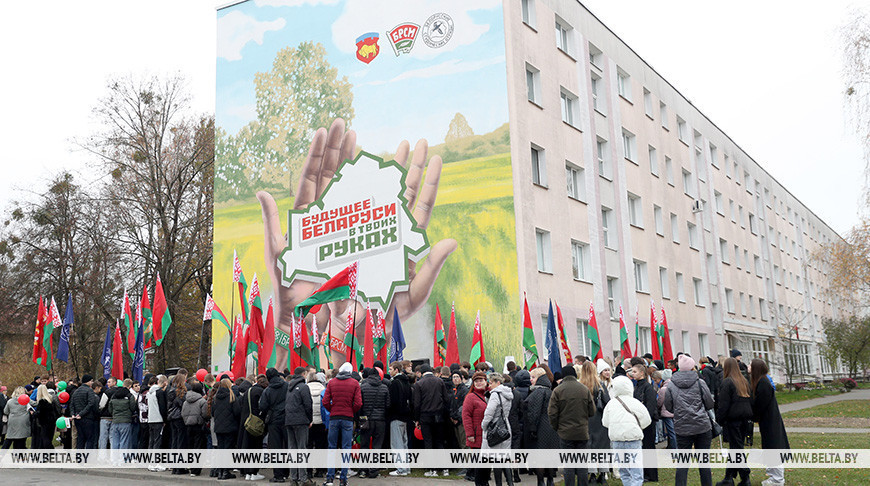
[(474, 206)]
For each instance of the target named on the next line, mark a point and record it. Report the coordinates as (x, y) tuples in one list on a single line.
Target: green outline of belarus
[(395, 238)]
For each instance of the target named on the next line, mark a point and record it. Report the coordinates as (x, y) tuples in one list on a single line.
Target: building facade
[(626, 194)]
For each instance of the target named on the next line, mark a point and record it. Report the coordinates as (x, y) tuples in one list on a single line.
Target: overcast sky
[(767, 73)]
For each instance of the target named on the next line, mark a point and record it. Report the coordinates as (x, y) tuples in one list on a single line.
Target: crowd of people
[(636, 404)]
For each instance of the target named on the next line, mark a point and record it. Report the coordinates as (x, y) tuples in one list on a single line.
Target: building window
[(762, 309), (699, 291), (723, 249), (727, 163), (669, 170), (603, 159), (742, 219), (693, 235), (533, 84), (717, 199), (675, 229), (569, 107), (742, 304), (653, 161), (659, 220), (597, 99), (545, 257), (752, 225), (539, 167), (635, 211), (606, 215), (737, 257), (731, 210), (528, 7), (613, 297), (645, 341), (663, 281), (579, 259), (681, 289), (681, 130), (687, 346), (647, 103), (729, 300), (757, 260), (623, 84), (687, 183), (751, 307), (663, 114), (585, 346), (776, 275), (595, 56), (575, 178), (745, 258), (628, 145), (703, 344), (641, 284), (564, 35), (759, 349), (714, 155)]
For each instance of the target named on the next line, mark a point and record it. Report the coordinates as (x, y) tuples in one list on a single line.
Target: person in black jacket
[(47, 412), (84, 406), (175, 401), (734, 414), (522, 380), (224, 407), (373, 416), (645, 394), (272, 404), (765, 411), (711, 375), (399, 412), (250, 405), (430, 404), (298, 416)]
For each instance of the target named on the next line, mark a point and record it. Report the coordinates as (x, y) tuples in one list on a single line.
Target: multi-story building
[(626, 193)]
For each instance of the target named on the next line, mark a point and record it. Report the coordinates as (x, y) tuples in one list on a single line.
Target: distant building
[(625, 192)]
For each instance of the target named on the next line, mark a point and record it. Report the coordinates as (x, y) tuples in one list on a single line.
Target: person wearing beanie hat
[(84, 407), (272, 403), (298, 416), (569, 409), (431, 403), (735, 353), (342, 399), (688, 398), (605, 374)]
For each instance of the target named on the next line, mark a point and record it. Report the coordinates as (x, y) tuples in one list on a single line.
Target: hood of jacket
[(401, 377), (192, 396), (373, 380), (506, 394), (621, 387), (523, 379), (295, 381), (222, 393), (541, 382), (685, 379), (342, 375), (276, 382)]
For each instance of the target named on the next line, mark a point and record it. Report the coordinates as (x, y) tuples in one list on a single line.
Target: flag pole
[(353, 336)]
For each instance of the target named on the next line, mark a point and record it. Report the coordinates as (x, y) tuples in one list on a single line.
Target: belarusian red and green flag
[(381, 337), (452, 338), (255, 325), (439, 344), (143, 313), (117, 354), (129, 325), (41, 354), (240, 347), (563, 341), (592, 334), (654, 329), (623, 337), (667, 352), (530, 348), (314, 343), (239, 278), (213, 312), (341, 286), (162, 319), (351, 342), (369, 345), (636, 331), (478, 354)]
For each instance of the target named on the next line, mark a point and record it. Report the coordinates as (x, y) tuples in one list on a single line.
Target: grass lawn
[(845, 408), (783, 397)]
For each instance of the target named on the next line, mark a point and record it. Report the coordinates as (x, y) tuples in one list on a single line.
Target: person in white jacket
[(625, 418)]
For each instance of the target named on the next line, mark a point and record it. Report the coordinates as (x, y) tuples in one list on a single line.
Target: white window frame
[(659, 220), (641, 280), (580, 260), (653, 160), (605, 169), (575, 179), (635, 210), (623, 84), (669, 170), (729, 301), (698, 288), (533, 84), (648, 104), (629, 146), (539, 165), (663, 282), (663, 114), (570, 107), (598, 103), (544, 250), (606, 225), (528, 12), (692, 229), (564, 36), (681, 287)]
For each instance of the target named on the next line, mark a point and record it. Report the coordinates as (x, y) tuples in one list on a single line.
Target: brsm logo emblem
[(402, 37), (367, 48)]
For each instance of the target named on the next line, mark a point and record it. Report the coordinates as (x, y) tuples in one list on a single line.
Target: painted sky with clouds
[(409, 96)]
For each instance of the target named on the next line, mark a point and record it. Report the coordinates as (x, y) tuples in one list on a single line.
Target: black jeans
[(226, 441), (649, 442), (732, 433), (251, 442), (87, 431), (581, 473), (14, 443), (700, 442), (374, 435), (155, 435), (277, 440), (195, 440)]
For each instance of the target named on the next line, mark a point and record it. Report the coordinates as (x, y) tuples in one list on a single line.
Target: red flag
[(161, 319), (117, 356), (667, 352), (241, 345), (623, 336), (268, 341), (369, 346), (563, 341), (39, 354), (653, 329), (478, 354), (452, 338), (144, 312), (255, 326), (381, 333), (129, 324), (437, 354)]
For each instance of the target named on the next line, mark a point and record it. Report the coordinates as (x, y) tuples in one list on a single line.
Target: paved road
[(815, 402)]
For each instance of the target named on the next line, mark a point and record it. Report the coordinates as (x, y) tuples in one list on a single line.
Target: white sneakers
[(257, 477), (156, 468), (771, 482), (431, 474), (351, 473), (397, 473), (445, 472)]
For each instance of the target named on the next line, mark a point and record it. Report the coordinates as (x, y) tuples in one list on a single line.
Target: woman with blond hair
[(45, 421), (598, 438), (18, 422)]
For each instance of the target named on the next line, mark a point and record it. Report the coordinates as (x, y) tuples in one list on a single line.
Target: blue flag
[(551, 342), (106, 357), (397, 341), (139, 357), (63, 345)]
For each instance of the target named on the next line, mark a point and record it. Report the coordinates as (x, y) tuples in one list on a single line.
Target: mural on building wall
[(414, 85)]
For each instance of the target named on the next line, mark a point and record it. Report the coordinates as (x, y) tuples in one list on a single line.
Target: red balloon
[(63, 397), (355, 445), (380, 372), (231, 375), (200, 374), (23, 399), (418, 433)]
